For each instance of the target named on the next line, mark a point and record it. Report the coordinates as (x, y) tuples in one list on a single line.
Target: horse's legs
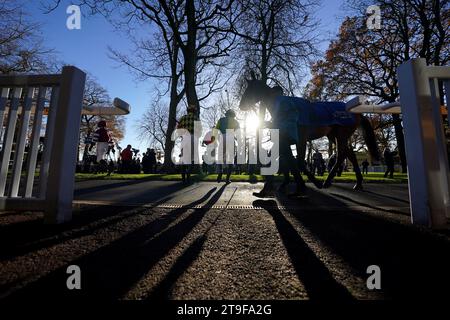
[(290, 165), (301, 152), (286, 181), (340, 157), (359, 178), (301, 148)]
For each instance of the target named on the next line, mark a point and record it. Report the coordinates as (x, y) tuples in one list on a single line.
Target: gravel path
[(198, 253)]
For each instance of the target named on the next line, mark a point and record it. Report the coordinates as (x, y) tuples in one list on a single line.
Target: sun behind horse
[(313, 121)]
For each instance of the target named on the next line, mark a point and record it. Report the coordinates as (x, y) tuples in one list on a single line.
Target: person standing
[(146, 162), (127, 158), (102, 138), (389, 161), (152, 160), (365, 167), (228, 122), (317, 163), (187, 122)]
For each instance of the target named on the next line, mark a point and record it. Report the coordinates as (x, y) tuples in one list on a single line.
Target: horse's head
[(255, 92), (258, 91)]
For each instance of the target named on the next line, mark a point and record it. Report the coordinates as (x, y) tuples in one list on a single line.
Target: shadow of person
[(110, 271), (402, 251), (163, 289), (315, 276), (19, 238), (23, 237), (183, 262)]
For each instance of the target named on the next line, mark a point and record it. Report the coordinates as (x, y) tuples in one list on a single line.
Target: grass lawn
[(346, 177)]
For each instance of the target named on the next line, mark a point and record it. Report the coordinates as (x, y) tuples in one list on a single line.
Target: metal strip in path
[(78, 203)]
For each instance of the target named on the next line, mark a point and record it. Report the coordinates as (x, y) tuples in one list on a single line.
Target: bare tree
[(364, 62), (277, 39), (201, 29), (21, 49), (158, 58), (152, 126), (186, 53), (277, 42), (218, 108)]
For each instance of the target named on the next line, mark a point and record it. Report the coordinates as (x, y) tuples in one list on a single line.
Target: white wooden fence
[(27, 105), (425, 142), (426, 147)]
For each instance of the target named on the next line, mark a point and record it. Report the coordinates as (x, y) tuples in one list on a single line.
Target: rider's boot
[(229, 170), (300, 190), (268, 191), (283, 188), (358, 186)]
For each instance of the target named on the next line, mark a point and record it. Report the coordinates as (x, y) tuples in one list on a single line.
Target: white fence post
[(34, 143), (428, 175), (21, 142), (60, 188), (48, 142), (8, 139)]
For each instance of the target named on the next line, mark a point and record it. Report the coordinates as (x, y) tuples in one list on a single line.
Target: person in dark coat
[(152, 160), (389, 161), (146, 162), (317, 163), (365, 166), (228, 122), (127, 157)]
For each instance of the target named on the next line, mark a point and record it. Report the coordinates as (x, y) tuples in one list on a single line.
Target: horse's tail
[(369, 138)]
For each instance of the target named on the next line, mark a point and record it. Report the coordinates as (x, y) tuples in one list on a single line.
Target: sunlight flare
[(252, 122)]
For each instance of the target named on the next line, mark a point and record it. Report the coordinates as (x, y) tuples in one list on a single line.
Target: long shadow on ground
[(102, 187), (317, 279), (111, 271), (27, 236), (414, 263), (163, 290)]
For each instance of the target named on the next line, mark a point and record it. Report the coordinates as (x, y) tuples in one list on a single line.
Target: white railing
[(425, 142), (27, 105), (426, 147)]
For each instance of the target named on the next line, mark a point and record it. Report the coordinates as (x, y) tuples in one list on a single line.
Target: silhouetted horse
[(313, 121)]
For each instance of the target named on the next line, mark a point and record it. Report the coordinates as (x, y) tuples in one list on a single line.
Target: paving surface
[(150, 240), (384, 197)]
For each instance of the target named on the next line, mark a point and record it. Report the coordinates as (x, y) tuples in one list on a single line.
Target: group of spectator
[(318, 164), (132, 164), (128, 161), (389, 161)]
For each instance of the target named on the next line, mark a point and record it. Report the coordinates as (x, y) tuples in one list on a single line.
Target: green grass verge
[(346, 177)]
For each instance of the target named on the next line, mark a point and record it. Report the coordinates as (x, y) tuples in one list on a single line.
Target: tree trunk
[(262, 108), (175, 98), (169, 144), (400, 141), (190, 57)]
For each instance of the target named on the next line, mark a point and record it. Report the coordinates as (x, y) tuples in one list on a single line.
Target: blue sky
[(88, 50)]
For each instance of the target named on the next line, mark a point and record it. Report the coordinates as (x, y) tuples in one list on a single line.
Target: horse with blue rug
[(300, 120)]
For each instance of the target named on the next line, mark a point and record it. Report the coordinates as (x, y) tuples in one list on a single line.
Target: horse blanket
[(290, 112)]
